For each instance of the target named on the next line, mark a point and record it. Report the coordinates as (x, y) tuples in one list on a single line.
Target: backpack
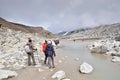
[(27, 49), (50, 50), (44, 47)]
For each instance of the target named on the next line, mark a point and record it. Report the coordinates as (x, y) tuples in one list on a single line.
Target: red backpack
[(44, 47)]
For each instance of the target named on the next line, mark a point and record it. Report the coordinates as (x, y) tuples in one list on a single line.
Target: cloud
[(87, 20), (58, 15)]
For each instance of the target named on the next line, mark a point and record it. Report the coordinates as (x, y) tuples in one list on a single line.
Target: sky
[(61, 15)]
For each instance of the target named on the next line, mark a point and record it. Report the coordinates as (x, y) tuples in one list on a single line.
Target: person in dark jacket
[(50, 54)]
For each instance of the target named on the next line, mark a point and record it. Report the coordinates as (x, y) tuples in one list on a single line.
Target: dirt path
[(44, 73)]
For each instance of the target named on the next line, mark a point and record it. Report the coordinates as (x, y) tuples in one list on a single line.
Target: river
[(78, 52)]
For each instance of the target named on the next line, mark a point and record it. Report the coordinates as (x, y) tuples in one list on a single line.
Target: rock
[(99, 49), (38, 65), (60, 61), (116, 54), (2, 61), (117, 38), (59, 75), (110, 47), (115, 59), (1, 66), (12, 53), (40, 70), (18, 66), (86, 68), (77, 59), (111, 52), (4, 74), (65, 79)]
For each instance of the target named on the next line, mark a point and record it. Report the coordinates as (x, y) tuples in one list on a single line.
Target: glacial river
[(78, 52)]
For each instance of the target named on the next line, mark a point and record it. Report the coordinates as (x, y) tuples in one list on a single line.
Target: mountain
[(28, 29), (102, 31), (67, 33)]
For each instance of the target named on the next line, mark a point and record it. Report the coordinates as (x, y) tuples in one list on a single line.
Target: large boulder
[(86, 68), (59, 75), (99, 49)]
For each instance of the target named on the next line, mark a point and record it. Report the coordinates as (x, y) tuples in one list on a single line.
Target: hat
[(49, 42)]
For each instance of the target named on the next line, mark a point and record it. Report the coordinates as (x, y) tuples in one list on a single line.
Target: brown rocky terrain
[(28, 29)]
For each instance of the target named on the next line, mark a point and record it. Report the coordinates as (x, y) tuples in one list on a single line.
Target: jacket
[(50, 50), (44, 47)]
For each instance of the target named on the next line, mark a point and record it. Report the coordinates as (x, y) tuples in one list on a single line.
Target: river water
[(104, 69)]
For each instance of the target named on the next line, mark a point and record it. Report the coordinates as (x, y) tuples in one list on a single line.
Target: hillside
[(27, 29), (103, 31)]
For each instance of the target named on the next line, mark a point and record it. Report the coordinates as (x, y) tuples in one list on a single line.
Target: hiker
[(29, 50), (0, 25), (44, 50), (73, 40), (56, 42), (50, 54)]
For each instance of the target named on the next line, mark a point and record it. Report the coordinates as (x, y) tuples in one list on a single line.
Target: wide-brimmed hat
[(49, 42)]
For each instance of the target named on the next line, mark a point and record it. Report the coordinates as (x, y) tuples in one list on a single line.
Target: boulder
[(117, 38), (18, 66), (2, 66), (4, 74), (99, 49), (59, 75), (86, 68), (115, 59)]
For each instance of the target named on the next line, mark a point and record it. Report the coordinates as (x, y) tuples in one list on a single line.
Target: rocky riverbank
[(12, 54), (107, 46)]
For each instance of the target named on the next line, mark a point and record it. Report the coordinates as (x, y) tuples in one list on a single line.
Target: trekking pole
[(38, 56)]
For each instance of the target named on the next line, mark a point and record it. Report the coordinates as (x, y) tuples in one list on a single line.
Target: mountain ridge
[(28, 29), (102, 31)]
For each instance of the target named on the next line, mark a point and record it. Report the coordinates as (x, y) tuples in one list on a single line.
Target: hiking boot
[(50, 67), (53, 67), (34, 64), (29, 64)]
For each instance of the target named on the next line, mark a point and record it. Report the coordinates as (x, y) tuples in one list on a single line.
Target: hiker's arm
[(32, 47)]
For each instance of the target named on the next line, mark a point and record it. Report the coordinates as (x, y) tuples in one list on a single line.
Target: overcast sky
[(61, 15)]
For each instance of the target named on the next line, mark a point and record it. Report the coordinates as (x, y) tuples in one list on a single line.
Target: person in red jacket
[(44, 50)]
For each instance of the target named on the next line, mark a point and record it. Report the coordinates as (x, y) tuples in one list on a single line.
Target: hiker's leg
[(29, 60), (49, 62), (52, 58), (45, 58), (33, 59)]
